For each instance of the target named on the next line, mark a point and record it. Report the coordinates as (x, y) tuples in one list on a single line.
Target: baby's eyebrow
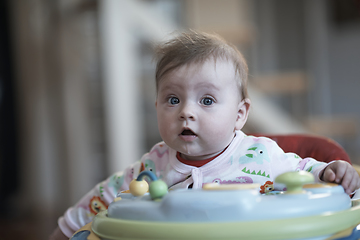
[(200, 86), (168, 87), (208, 86)]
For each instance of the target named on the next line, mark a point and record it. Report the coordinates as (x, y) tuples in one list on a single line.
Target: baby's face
[(199, 107)]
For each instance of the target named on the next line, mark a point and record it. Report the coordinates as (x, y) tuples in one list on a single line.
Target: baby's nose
[(187, 112)]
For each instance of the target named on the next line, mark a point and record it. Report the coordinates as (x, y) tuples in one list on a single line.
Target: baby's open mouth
[(187, 135), (187, 132)]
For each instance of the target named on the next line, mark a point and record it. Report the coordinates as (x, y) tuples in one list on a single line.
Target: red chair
[(320, 148)]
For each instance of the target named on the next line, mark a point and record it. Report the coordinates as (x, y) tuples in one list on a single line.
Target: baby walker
[(228, 211)]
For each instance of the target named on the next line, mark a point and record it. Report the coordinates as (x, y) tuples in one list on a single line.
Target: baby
[(202, 104)]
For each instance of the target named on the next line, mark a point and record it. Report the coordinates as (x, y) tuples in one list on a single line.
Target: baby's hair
[(197, 47)]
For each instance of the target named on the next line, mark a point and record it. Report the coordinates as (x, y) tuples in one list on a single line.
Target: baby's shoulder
[(249, 140), (160, 145), (259, 143), (158, 151)]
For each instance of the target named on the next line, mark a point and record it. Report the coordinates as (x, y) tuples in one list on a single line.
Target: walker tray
[(224, 212)]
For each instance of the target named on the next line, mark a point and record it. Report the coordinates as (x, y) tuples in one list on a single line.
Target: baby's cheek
[(221, 138), (167, 130), (222, 129)]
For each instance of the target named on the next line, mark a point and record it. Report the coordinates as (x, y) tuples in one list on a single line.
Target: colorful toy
[(233, 211)]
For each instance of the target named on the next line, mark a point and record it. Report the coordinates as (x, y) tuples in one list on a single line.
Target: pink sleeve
[(98, 199), (284, 162), (83, 212)]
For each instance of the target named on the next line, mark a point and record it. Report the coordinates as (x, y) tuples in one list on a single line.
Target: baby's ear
[(243, 113)]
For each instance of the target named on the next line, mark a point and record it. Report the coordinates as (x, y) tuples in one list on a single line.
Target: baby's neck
[(197, 163)]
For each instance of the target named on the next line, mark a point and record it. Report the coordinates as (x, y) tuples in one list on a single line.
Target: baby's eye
[(207, 101), (174, 100)]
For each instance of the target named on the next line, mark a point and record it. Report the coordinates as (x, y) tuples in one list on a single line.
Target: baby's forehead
[(219, 67), (201, 75)]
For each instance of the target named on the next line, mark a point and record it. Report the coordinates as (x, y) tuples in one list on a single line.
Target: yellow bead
[(138, 188)]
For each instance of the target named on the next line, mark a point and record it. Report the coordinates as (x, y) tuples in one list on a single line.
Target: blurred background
[(77, 87)]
